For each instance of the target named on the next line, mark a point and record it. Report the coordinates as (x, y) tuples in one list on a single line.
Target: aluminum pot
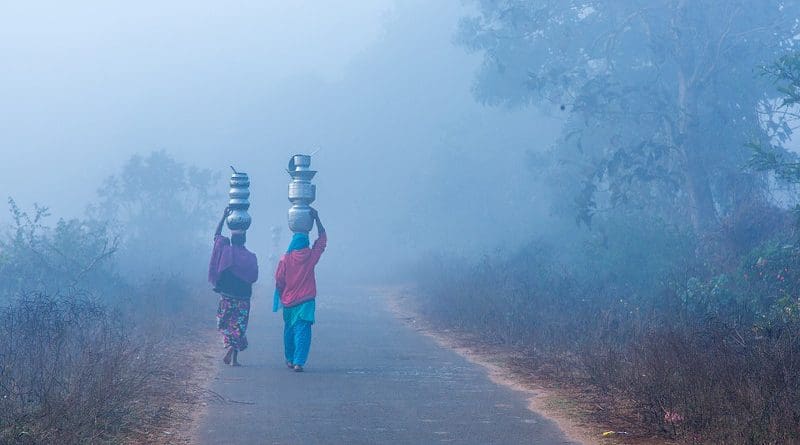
[(239, 202), (239, 220), (239, 193), (302, 175), (299, 162), (301, 191), (300, 219), (240, 179)]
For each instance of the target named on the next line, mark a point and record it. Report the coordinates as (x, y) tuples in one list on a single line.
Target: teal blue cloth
[(299, 241), (297, 342), (276, 300), (302, 312)]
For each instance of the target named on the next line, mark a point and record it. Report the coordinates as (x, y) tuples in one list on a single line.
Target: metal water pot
[(239, 202), (301, 193)]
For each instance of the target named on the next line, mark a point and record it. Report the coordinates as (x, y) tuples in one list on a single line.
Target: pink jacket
[(295, 273)]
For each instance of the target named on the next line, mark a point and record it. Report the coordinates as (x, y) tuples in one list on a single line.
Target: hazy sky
[(409, 159), (85, 84)]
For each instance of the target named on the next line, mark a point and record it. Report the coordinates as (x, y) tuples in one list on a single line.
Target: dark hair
[(238, 238)]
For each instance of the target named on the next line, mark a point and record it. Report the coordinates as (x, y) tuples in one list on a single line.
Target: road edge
[(539, 400)]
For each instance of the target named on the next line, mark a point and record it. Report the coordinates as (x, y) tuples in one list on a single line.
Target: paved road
[(370, 379)]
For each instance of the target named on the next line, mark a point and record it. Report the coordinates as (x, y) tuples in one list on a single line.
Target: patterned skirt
[(232, 317)]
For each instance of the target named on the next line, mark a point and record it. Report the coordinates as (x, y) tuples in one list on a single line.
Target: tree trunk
[(702, 209)]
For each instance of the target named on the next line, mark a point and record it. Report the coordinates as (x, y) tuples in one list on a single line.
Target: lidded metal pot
[(301, 193), (239, 202)]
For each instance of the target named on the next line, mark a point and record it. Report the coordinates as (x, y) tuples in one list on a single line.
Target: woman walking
[(296, 292), (232, 271)]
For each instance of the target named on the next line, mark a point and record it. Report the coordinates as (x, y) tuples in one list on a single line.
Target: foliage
[(660, 95), (771, 279), (781, 120), (164, 210), (86, 356), (75, 255)]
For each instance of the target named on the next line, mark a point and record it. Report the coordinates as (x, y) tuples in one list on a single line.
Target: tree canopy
[(783, 117), (163, 206), (661, 96)]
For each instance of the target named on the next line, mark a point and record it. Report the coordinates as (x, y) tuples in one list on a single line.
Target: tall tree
[(661, 95), (164, 210)]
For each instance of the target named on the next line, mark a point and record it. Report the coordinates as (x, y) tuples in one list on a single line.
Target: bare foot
[(235, 357), (227, 358)]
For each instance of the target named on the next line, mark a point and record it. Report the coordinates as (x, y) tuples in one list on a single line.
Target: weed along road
[(370, 379)]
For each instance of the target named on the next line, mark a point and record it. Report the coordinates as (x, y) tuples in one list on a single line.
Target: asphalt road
[(370, 379)]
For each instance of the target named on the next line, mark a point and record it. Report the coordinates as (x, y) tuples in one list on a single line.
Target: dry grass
[(72, 371), (650, 366)]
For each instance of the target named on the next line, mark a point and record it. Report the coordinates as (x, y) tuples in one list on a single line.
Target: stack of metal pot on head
[(301, 193), (239, 201)]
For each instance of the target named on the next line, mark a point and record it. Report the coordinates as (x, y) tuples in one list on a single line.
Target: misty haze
[(400, 221)]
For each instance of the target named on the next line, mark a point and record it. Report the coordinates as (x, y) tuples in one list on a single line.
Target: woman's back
[(295, 273), (233, 286)]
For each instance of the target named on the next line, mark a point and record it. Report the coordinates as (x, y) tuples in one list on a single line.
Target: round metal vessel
[(239, 220), (300, 219), (301, 193), (239, 202), (239, 193), (299, 162), (240, 180)]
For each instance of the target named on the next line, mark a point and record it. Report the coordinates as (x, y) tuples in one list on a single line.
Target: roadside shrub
[(699, 348), (84, 353), (70, 372), (75, 255)]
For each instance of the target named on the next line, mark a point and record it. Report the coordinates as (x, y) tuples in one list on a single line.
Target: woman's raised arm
[(225, 214)]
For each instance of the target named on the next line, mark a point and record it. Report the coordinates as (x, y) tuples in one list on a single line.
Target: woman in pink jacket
[(296, 292)]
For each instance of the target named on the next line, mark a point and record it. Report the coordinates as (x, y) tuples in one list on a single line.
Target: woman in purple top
[(232, 271)]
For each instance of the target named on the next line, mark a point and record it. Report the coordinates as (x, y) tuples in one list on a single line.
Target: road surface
[(370, 379)]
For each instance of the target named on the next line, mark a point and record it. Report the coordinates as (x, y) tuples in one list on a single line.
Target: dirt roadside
[(574, 410), (195, 366)]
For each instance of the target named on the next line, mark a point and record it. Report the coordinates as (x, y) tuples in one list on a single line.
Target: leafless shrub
[(70, 372)]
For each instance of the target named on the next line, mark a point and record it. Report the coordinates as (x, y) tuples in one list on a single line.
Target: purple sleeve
[(213, 266)]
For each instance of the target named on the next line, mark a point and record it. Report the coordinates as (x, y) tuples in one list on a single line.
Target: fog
[(409, 160), (599, 196)]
